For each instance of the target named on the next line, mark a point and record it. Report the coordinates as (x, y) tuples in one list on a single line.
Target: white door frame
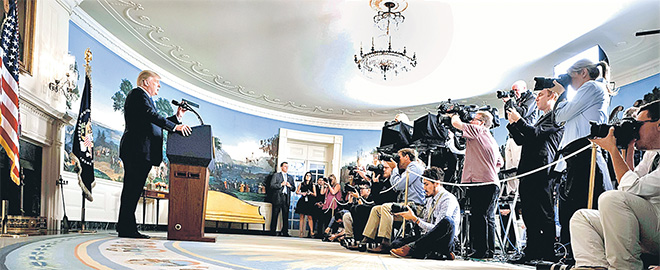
[(333, 141)]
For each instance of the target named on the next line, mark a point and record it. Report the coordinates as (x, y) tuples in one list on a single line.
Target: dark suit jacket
[(276, 188), (143, 136), (539, 142)]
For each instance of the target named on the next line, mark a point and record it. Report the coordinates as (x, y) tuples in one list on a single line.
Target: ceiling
[(296, 56)]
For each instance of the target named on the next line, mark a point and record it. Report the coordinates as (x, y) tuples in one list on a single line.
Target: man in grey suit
[(281, 186)]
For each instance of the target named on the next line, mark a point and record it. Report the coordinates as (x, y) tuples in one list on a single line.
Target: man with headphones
[(141, 146), (627, 220)]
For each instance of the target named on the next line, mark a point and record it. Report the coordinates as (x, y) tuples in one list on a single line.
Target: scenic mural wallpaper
[(245, 145)]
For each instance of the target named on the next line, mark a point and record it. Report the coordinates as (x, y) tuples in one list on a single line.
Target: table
[(156, 195)]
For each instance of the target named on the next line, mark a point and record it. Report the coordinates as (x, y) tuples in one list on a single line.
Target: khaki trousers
[(616, 235)]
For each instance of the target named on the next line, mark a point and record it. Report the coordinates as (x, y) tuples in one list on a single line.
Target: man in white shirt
[(628, 220)]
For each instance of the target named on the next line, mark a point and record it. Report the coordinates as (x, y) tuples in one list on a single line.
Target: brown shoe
[(402, 252), (378, 248)]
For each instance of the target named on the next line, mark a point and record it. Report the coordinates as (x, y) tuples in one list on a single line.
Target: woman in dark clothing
[(305, 207)]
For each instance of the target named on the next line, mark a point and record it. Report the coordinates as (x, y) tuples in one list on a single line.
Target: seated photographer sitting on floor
[(379, 225), (438, 223), (355, 199), (626, 224)]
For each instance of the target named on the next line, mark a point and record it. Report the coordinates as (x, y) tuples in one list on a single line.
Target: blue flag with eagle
[(83, 143)]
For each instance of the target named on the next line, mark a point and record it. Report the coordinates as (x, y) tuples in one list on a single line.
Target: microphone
[(188, 106)]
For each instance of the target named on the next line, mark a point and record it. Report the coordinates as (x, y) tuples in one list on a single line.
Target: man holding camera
[(523, 101), (408, 173), (438, 223), (626, 224), (482, 161), (539, 144)]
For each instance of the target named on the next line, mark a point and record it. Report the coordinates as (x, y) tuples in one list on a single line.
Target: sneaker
[(402, 252)]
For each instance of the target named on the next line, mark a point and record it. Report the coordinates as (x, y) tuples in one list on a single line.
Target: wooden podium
[(189, 180)]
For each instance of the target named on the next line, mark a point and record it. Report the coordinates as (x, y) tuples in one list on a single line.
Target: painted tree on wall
[(119, 98), (271, 146)]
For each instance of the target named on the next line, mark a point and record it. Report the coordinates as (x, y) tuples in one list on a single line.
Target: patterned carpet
[(231, 251)]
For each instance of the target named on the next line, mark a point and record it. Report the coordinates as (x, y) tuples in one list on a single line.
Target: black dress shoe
[(134, 235), (285, 235)]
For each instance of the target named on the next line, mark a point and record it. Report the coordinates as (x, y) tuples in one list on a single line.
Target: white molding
[(638, 73), (333, 142), (102, 35)]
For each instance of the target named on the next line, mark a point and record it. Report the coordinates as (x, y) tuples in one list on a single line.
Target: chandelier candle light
[(386, 62)]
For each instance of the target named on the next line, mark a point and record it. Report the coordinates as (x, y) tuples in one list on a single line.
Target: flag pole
[(88, 73)]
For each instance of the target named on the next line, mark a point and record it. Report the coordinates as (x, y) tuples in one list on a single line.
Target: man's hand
[(376, 179), (512, 115), (608, 143), (408, 215), (180, 111), (184, 129), (506, 99), (558, 88)]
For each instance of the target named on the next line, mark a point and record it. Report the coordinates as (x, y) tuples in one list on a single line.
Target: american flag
[(9, 115)]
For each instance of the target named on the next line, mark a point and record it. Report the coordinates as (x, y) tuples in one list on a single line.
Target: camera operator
[(590, 103), (360, 213), (380, 218), (523, 102), (438, 223), (482, 161), (626, 224), (361, 197), (539, 144)]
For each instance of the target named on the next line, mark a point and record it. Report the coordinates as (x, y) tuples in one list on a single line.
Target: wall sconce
[(66, 79)]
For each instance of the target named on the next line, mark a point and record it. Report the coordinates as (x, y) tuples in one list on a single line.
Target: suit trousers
[(135, 175), (539, 215), (624, 227), (277, 208), (439, 239)]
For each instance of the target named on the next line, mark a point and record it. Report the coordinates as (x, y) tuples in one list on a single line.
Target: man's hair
[(434, 173), (653, 110), (408, 152), (146, 74), (487, 118), (282, 164)]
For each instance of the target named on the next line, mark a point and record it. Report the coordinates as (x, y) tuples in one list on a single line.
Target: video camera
[(466, 112), (504, 94), (541, 83), (625, 131)]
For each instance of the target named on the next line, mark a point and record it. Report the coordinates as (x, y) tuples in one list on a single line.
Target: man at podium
[(141, 146)]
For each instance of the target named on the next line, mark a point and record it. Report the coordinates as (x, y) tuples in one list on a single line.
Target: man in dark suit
[(539, 145), (281, 185), (141, 146)]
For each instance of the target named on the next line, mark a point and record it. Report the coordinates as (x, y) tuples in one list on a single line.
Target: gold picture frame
[(26, 16)]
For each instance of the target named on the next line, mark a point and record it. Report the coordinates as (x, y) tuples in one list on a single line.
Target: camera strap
[(430, 213)]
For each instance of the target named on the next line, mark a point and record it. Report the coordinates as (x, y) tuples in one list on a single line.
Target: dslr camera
[(352, 172), (377, 169), (387, 157), (624, 131), (541, 83), (398, 208), (504, 94)]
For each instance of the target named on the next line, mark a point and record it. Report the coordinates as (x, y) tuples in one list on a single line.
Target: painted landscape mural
[(245, 145)]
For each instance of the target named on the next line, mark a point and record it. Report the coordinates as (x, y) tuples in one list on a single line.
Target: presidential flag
[(83, 143), (9, 114)]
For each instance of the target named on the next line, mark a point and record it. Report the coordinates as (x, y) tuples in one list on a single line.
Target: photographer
[(379, 225), (482, 161), (626, 224), (590, 103), (438, 223), (359, 198), (523, 101), (539, 144)]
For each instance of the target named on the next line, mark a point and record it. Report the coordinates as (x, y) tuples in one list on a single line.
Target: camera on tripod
[(625, 131), (541, 83)]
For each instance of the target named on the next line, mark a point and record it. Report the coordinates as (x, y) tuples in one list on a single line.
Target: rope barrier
[(506, 179)]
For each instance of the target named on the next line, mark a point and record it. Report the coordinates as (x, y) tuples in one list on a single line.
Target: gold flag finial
[(88, 58)]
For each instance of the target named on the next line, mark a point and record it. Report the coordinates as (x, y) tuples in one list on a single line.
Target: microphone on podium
[(186, 104)]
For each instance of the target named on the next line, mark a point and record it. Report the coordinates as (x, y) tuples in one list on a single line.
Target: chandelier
[(386, 62)]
